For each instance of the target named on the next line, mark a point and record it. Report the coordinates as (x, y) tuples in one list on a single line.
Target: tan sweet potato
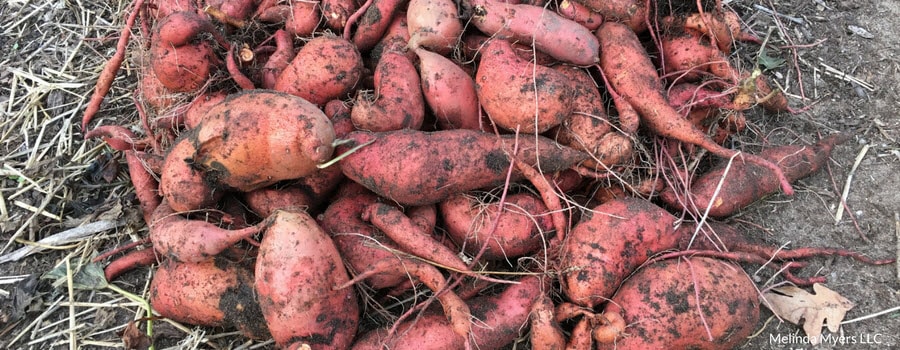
[(296, 272), (326, 68), (518, 94), (697, 303), (610, 242), (455, 161), (259, 137)]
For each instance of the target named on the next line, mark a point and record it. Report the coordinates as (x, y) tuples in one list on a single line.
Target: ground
[(52, 181)]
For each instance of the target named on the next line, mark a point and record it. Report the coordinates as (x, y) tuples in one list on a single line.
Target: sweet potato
[(632, 13), (324, 69), (181, 183), (213, 293), (501, 321), (449, 92), (293, 137), (200, 106), (522, 228), (454, 160), (190, 240), (610, 242), (535, 24), (697, 303), (631, 73), (518, 94), (374, 22), (433, 24), (746, 183), (182, 61), (398, 102), (300, 18), (296, 272), (546, 333), (687, 55), (580, 13), (336, 13), (279, 60)]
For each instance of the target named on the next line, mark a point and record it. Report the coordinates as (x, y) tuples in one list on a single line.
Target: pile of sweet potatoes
[(304, 165)]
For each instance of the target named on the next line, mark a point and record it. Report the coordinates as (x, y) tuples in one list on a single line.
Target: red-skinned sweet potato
[(398, 102), (182, 61), (535, 24), (181, 183), (449, 92), (518, 94), (580, 13), (211, 293), (610, 242), (189, 240), (324, 69), (336, 13), (455, 161), (374, 22), (746, 183), (632, 13), (523, 227), (300, 17), (433, 24), (296, 272), (697, 303)]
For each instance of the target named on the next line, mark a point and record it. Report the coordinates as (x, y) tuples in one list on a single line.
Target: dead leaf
[(824, 307), (134, 339)]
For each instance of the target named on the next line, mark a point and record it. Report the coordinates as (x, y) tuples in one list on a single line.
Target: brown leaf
[(824, 307), (134, 339)]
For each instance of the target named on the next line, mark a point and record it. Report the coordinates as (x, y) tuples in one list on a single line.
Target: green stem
[(144, 303)]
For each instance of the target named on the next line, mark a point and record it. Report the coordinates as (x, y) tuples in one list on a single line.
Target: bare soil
[(51, 180)]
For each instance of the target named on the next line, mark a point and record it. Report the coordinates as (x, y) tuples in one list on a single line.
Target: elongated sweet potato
[(296, 272), (326, 68), (213, 293), (746, 183), (190, 240), (522, 228), (398, 102), (433, 24), (374, 22), (631, 73), (259, 137), (455, 161), (610, 242), (449, 92), (535, 24), (518, 94), (697, 303)]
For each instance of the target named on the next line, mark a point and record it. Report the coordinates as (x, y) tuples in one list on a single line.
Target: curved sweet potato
[(610, 242), (697, 303), (374, 22), (518, 94), (296, 272), (326, 68), (398, 102), (454, 160)]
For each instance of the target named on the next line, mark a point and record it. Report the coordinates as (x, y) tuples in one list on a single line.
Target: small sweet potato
[(182, 61), (445, 162), (521, 95), (374, 22), (190, 240), (326, 68), (336, 13), (697, 303), (610, 242), (181, 183), (449, 91), (398, 102), (296, 272), (522, 228), (632, 13)]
